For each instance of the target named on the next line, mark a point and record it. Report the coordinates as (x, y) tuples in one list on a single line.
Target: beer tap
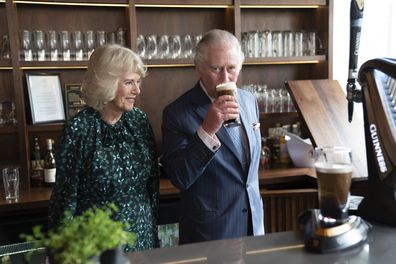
[(356, 17)]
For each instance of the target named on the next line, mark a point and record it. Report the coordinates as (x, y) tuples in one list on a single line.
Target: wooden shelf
[(39, 65), (285, 174), (5, 65), (285, 60), (8, 129), (45, 127)]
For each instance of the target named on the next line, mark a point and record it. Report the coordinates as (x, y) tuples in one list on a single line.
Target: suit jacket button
[(244, 210)]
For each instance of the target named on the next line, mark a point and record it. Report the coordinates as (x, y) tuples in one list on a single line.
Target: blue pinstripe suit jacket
[(215, 192)]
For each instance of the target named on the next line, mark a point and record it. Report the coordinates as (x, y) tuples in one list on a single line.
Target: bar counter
[(35, 198), (282, 247), (285, 192)]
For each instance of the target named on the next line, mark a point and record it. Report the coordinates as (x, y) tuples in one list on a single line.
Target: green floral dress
[(100, 163)]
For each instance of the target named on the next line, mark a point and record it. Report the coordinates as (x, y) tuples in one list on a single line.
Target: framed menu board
[(45, 97), (74, 101)]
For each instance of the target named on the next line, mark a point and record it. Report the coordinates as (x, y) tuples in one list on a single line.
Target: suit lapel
[(244, 115)]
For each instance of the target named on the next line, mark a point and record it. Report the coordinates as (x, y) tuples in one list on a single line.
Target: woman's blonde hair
[(106, 66)]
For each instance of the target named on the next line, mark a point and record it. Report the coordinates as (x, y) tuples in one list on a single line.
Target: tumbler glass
[(100, 38), (174, 46), (78, 45), (27, 53), (163, 47), (265, 39), (288, 43), (298, 43), (120, 40), (65, 44), (277, 44), (89, 43), (111, 38), (151, 47), (39, 45), (187, 46), (53, 45), (11, 183), (141, 46)]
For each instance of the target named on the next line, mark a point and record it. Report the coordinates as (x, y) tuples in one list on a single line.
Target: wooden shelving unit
[(167, 78)]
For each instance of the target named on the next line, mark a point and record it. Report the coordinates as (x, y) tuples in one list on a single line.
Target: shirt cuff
[(212, 143)]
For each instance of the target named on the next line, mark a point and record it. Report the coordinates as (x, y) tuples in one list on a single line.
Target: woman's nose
[(136, 89)]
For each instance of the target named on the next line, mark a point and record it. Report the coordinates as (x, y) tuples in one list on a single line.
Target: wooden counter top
[(39, 197)]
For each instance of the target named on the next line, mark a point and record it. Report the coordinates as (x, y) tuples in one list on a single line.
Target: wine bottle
[(37, 170), (49, 164)]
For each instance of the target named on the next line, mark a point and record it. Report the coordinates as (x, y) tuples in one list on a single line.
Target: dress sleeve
[(68, 169)]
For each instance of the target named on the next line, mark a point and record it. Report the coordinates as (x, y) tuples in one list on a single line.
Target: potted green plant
[(82, 239)]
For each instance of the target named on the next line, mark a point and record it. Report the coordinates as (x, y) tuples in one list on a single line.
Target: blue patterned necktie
[(239, 138)]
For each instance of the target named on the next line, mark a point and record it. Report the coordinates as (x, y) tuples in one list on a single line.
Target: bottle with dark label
[(49, 164), (37, 170)]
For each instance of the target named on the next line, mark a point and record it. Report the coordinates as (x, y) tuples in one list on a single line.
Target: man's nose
[(225, 76)]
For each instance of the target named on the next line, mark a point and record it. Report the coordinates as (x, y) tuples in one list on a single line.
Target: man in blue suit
[(218, 180)]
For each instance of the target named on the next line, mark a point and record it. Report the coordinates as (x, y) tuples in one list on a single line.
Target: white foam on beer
[(324, 167), (226, 86)]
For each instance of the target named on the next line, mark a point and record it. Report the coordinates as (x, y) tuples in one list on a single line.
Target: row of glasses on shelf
[(271, 100), (287, 43), (51, 45), (167, 46)]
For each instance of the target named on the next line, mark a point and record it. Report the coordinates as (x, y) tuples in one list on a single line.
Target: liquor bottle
[(49, 164), (37, 170), (284, 155)]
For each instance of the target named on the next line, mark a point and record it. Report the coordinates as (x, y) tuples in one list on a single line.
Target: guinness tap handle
[(356, 17)]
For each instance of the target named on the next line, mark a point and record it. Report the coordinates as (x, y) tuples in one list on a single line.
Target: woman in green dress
[(107, 152)]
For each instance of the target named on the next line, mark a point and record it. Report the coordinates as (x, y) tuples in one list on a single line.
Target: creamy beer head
[(228, 88)]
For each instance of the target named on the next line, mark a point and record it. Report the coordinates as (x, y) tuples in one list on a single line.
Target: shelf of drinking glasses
[(285, 60), (38, 65)]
